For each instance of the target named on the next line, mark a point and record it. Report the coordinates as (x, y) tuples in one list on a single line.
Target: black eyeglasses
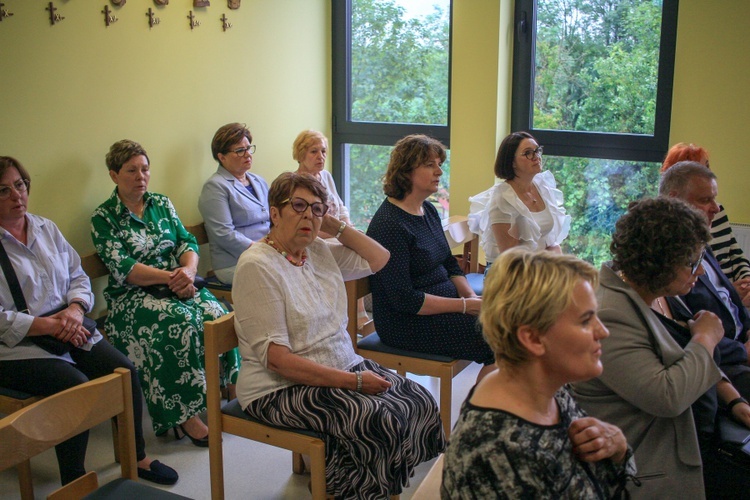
[(242, 151), (531, 153), (21, 186), (694, 266), (299, 205)]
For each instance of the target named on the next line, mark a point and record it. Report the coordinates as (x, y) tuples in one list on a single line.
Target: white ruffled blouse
[(506, 207)]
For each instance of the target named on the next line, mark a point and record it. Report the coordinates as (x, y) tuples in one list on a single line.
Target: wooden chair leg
[(318, 471), (446, 393), (24, 480), (298, 463), (115, 440)]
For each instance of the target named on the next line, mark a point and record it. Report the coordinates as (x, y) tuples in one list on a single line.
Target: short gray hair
[(679, 176)]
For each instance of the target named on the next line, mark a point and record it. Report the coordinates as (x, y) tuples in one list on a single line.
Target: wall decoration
[(225, 24), (194, 23), (233, 4), (152, 19), (108, 17), (53, 18), (118, 3), (161, 2), (4, 12), (201, 3)]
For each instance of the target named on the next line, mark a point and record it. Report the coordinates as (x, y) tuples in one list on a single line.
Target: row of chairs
[(220, 337)]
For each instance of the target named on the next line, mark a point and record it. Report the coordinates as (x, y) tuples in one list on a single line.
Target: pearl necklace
[(298, 263)]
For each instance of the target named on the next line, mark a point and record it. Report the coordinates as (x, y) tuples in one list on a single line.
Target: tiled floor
[(251, 470)]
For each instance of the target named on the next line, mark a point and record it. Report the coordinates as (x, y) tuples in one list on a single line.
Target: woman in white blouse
[(527, 209)]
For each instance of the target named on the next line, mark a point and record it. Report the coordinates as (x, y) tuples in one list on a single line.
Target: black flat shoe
[(200, 442), (159, 474)]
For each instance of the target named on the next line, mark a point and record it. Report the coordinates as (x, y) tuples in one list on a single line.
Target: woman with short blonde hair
[(520, 433)]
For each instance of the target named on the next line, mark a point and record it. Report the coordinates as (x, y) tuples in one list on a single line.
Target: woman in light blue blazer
[(233, 202)]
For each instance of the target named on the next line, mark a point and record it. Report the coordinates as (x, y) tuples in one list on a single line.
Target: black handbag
[(163, 291), (46, 342)]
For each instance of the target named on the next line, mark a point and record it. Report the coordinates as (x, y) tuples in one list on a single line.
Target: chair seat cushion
[(125, 489), (213, 282), (12, 393), (234, 409), (476, 282), (372, 342)]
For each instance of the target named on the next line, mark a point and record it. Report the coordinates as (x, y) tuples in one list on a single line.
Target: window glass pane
[(597, 192), (596, 65), (368, 164), (399, 61)]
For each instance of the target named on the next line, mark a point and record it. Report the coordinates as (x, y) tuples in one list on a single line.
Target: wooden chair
[(429, 488), (457, 233), (371, 347), (54, 419), (219, 289), (219, 338)]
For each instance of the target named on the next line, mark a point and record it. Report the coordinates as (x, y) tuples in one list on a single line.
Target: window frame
[(603, 145), (344, 130)]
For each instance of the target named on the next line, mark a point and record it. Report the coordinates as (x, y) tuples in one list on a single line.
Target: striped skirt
[(373, 442)]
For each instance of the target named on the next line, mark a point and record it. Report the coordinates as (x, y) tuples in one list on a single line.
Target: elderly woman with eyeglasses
[(299, 368), (527, 208), (310, 150), (156, 313), (661, 384), (233, 202)]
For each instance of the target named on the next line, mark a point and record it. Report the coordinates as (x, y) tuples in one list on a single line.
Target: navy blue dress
[(421, 263)]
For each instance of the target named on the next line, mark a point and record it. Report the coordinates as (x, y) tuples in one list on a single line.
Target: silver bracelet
[(463, 299), (341, 230), (359, 381)]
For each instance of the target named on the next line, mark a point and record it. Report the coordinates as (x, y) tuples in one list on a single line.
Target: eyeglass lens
[(317, 208), (241, 151), (20, 187), (535, 152)]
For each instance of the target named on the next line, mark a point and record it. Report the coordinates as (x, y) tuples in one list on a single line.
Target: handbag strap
[(12, 279)]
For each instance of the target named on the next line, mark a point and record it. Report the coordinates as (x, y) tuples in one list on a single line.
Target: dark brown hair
[(506, 153), (229, 134), (7, 162), (409, 153), (287, 183), (654, 238), (122, 151)]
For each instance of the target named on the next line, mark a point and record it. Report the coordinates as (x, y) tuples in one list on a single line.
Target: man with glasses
[(696, 185)]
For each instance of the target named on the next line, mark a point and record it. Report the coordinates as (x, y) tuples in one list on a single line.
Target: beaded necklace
[(298, 263)]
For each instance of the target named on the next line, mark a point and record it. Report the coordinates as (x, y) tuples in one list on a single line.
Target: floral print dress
[(162, 337)]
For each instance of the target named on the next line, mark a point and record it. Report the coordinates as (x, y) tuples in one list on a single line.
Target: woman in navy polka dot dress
[(421, 299)]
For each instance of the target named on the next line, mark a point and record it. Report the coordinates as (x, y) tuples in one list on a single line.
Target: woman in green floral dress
[(145, 246)]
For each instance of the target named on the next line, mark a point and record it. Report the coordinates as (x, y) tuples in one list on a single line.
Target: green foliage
[(399, 75), (596, 70)]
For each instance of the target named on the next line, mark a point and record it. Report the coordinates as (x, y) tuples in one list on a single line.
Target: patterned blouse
[(495, 454), (159, 242)]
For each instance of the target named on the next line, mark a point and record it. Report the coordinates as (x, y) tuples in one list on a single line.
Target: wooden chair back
[(220, 337), (56, 418), (220, 290)]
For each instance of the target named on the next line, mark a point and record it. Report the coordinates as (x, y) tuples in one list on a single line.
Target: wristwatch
[(735, 402)]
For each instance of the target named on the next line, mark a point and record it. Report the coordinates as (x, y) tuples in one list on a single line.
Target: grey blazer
[(234, 218), (646, 389)]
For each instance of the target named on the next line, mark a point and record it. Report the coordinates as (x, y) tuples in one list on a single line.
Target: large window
[(592, 81), (391, 69)]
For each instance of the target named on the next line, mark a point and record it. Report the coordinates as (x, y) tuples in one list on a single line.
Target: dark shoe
[(201, 442), (159, 474)]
